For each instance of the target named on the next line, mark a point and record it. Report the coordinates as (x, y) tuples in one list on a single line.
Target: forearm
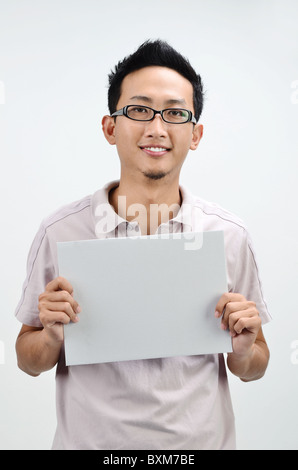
[(252, 366), (36, 353)]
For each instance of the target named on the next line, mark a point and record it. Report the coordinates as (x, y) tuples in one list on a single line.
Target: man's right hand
[(57, 307)]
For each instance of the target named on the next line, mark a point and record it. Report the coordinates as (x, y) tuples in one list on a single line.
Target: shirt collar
[(106, 220), (184, 215)]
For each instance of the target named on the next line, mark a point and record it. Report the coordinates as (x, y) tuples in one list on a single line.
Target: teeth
[(156, 149)]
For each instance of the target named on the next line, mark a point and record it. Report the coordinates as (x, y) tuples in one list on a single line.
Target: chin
[(155, 175)]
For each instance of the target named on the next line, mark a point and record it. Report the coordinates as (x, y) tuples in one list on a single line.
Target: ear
[(197, 134), (108, 128)]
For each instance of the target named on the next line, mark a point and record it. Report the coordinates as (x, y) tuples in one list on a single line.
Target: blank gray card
[(145, 297)]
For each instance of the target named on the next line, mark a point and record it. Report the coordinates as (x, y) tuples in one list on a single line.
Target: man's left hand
[(241, 317)]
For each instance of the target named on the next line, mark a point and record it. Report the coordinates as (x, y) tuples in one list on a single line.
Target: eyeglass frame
[(123, 112)]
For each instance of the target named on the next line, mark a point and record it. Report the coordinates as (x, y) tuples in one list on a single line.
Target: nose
[(156, 127)]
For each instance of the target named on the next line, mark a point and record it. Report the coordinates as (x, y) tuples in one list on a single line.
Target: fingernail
[(76, 319), (78, 309), (217, 314), (223, 326)]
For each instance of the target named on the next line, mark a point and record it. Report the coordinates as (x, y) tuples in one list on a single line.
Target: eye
[(138, 110), (139, 113), (177, 113)]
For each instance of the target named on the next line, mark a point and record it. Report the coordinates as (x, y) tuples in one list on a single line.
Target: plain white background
[(54, 60)]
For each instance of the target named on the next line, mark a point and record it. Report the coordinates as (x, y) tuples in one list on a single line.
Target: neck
[(150, 202)]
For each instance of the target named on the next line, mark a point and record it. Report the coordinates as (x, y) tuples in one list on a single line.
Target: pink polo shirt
[(168, 403)]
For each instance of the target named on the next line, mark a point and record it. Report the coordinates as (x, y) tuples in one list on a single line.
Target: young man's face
[(158, 88)]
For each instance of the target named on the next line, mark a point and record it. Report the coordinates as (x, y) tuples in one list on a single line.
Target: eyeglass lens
[(142, 113)]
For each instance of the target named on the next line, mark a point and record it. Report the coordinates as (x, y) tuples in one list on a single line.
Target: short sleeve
[(40, 271), (246, 277)]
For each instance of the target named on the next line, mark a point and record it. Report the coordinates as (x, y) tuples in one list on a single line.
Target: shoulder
[(212, 216), (68, 221), (67, 211)]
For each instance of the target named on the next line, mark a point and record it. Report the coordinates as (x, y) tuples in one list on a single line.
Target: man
[(155, 101)]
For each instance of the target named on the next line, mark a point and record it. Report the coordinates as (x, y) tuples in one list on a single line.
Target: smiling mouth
[(155, 151)]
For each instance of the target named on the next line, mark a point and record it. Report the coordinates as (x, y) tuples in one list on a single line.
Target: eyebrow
[(171, 101)]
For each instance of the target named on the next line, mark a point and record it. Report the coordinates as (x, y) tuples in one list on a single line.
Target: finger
[(236, 319), (59, 283), (225, 299), (63, 307), (252, 324), (49, 318), (53, 309), (238, 308), (59, 296)]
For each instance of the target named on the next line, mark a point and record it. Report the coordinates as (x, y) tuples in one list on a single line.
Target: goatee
[(158, 175)]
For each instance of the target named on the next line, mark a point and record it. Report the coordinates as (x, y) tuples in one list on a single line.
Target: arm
[(38, 349), (250, 355), (36, 352)]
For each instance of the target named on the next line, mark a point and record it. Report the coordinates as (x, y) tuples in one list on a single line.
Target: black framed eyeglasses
[(144, 113)]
